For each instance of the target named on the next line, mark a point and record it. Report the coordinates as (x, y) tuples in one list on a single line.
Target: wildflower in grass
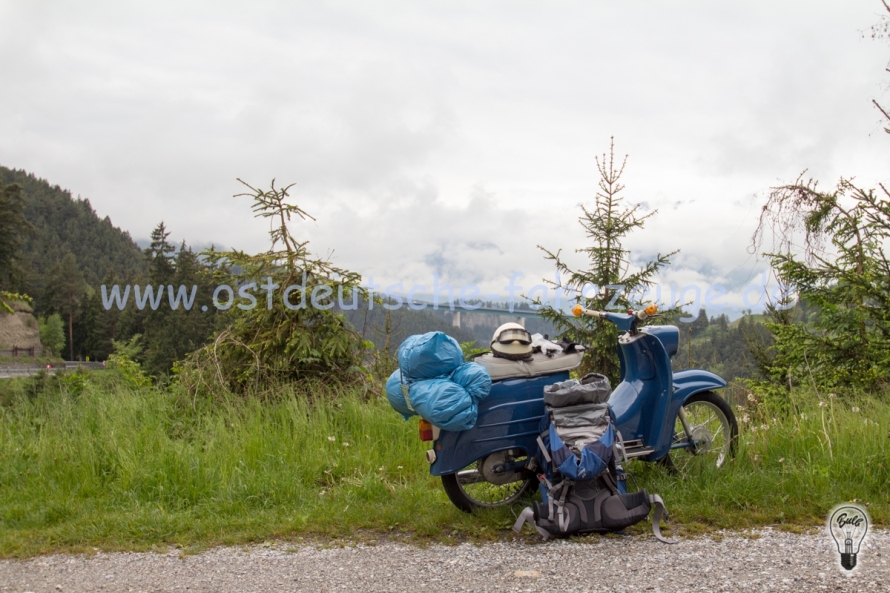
[(744, 419), (750, 397), (803, 416), (782, 460), (381, 469), (832, 395), (332, 439), (400, 467), (822, 404), (757, 458), (764, 427), (855, 410), (345, 444), (739, 407), (322, 492)]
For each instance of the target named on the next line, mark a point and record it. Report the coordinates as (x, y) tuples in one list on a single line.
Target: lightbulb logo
[(848, 526)]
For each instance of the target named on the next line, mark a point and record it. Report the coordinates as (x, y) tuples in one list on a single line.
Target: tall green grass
[(789, 469), (133, 469), (113, 468)]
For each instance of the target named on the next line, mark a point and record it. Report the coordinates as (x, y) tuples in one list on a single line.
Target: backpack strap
[(562, 512), (544, 449), (660, 511), (618, 446), (556, 508), (404, 387), (598, 500), (609, 482), (582, 508), (528, 516)]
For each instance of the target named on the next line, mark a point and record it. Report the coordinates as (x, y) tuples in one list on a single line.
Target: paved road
[(771, 561)]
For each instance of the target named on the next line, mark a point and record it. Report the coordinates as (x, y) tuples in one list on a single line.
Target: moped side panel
[(509, 418), (668, 335), (640, 401), (686, 384)]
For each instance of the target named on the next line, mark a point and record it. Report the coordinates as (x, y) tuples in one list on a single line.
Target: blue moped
[(661, 415)]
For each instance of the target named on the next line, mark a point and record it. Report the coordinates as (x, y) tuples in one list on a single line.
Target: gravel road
[(768, 561)]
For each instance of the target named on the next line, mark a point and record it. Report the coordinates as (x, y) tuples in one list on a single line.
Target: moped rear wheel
[(714, 433), (468, 488)]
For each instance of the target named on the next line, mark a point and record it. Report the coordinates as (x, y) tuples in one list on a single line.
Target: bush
[(267, 344), (52, 333)]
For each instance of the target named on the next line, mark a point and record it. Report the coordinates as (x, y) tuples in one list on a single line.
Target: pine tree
[(66, 288), (87, 327), (608, 279), (159, 256)]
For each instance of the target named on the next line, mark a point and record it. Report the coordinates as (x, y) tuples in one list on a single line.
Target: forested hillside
[(65, 252), (62, 224), (720, 346)]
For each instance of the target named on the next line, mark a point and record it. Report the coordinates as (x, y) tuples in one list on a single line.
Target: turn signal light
[(577, 310), (652, 309), (426, 430)]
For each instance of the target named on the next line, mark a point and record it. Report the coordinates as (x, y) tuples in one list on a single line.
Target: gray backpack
[(582, 486)]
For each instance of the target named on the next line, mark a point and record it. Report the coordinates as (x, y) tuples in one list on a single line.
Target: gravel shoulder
[(765, 560)]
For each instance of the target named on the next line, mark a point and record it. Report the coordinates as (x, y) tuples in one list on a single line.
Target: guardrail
[(25, 369), (16, 351)]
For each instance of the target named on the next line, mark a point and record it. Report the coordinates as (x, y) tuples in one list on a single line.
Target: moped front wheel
[(470, 487), (714, 433)]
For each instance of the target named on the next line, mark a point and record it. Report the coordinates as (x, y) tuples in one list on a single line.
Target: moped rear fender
[(509, 418), (685, 385)]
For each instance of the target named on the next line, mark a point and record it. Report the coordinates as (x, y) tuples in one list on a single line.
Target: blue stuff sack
[(440, 401), (450, 404), (429, 355), (474, 378), (444, 403), (441, 388)]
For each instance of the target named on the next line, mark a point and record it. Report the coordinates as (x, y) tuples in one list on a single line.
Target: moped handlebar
[(578, 311), (624, 321), (642, 314)]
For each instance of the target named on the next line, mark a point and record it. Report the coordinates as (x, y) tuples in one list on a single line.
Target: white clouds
[(451, 137)]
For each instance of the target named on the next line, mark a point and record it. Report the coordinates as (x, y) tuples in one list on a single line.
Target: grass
[(102, 466), (788, 471)]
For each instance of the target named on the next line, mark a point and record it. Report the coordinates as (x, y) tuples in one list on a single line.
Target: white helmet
[(511, 341)]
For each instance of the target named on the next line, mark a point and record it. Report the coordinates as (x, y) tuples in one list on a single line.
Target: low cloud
[(449, 139)]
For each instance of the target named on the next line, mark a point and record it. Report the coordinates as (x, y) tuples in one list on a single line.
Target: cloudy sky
[(448, 137)]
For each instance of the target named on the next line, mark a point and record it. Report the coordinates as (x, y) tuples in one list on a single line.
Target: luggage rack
[(635, 448)]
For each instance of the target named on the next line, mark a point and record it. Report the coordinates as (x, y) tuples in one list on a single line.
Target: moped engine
[(502, 467)]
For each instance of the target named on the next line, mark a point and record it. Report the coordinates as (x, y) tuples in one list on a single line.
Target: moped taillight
[(426, 430)]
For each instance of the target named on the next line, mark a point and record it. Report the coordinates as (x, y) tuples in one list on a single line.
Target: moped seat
[(540, 364)]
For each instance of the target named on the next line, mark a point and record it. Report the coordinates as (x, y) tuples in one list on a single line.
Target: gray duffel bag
[(593, 388)]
